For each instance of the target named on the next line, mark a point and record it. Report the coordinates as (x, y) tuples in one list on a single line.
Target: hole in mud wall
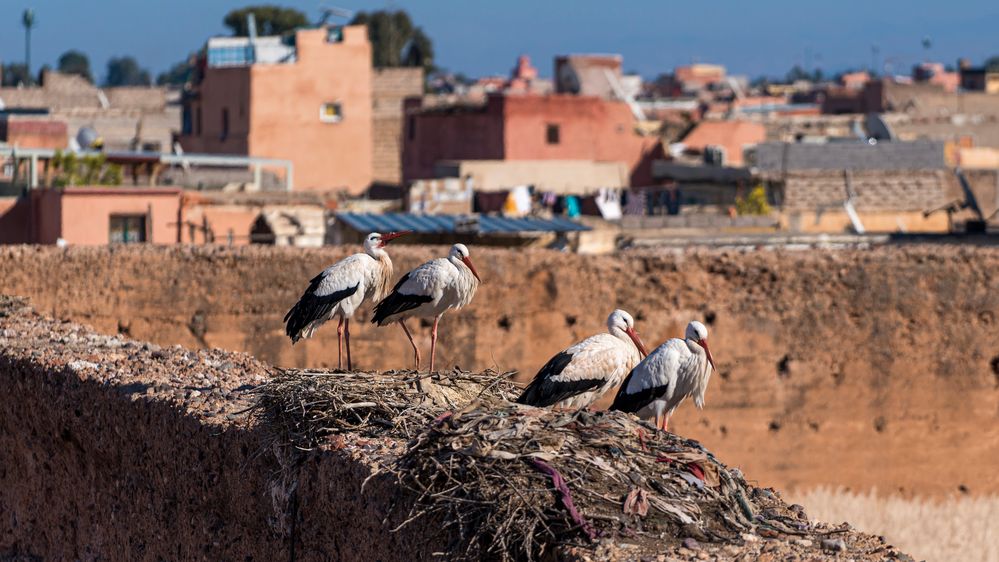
[(783, 371), (198, 326), (639, 316), (125, 328), (995, 368), (774, 426), (880, 424), (424, 323), (570, 321), (504, 323), (710, 317)]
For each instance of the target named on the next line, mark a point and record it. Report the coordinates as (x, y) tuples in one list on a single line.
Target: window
[(127, 229), (185, 121), (412, 128), (331, 112), (225, 124), (552, 134)]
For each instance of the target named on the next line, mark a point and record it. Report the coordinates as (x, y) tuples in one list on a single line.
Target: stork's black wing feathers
[(397, 302), (543, 391), (635, 401), (312, 307)]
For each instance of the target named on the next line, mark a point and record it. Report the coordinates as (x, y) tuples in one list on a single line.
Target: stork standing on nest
[(340, 289), (578, 376), (672, 372), (428, 292)]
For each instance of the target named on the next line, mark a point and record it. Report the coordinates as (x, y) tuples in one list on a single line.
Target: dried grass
[(960, 528)]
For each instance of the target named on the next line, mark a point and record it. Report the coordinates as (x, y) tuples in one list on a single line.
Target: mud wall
[(115, 450), (875, 368)]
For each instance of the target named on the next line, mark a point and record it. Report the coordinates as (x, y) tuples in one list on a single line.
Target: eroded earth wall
[(112, 449), (867, 368)]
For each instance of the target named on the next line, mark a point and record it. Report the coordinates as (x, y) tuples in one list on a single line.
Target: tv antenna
[(328, 12)]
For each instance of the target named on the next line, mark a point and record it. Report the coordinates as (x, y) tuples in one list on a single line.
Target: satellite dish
[(88, 138), (877, 128)]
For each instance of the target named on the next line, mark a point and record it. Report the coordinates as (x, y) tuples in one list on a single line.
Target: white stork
[(578, 376), (429, 291), (672, 372), (340, 289)]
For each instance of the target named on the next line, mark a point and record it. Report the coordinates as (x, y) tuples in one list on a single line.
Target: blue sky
[(751, 37)]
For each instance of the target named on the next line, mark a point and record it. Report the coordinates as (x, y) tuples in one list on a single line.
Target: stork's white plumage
[(672, 372), (428, 292), (340, 289), (578, 376)]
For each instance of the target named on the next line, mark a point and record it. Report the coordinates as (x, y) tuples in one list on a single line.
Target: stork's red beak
[(468, 262), (386, 238), (638, 341), (704, 344)]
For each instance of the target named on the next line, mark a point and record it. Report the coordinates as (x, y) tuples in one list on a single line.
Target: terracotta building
[(32, 131), (731, 136), (523, 127), (309, 102)]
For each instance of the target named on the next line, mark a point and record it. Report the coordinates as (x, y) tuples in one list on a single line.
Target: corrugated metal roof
[(442, 224)]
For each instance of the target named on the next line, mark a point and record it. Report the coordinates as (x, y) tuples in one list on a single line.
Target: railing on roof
[(33, 155)]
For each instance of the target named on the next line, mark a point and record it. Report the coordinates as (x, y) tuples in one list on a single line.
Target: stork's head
[(620, 321), (697, 333), (377, 240), (459, 252)]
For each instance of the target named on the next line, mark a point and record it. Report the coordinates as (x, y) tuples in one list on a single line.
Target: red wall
[(455, 133), (15, 220), (515, 128)]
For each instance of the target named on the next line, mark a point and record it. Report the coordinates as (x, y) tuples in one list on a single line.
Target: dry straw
[(505, 481)]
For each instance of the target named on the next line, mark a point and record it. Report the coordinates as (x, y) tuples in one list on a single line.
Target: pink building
[(91, 216), (309, 102)]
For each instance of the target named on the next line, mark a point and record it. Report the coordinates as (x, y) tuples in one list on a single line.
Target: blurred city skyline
[(764, 38)]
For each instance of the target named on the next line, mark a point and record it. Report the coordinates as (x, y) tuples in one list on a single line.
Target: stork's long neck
[(619, 334), (703, 370), (468, 281), (383, 275)]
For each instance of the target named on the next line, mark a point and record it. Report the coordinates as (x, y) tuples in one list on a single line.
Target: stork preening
[(578, 376), (672, 372), (428, 292), (340, 289)]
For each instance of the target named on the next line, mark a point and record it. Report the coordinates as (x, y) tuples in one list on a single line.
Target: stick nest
[(497, 480), (304, 407)]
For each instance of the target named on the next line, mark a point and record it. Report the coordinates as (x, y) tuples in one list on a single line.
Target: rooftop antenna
[(28, 21), (332, 11)]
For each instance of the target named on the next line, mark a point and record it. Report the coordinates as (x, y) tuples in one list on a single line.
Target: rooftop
[(916, 155)]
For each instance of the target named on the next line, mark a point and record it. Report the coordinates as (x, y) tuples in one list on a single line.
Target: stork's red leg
[(416, 350), (346, 335), (339, 344), (666, 422), (433, 343)]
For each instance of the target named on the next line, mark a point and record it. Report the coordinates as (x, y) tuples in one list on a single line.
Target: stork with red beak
[(578, 376), (672, 372), (340, 289), (428, 292)]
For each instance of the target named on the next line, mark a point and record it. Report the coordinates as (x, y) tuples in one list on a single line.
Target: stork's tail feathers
[(311, 311), (396, 303)]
